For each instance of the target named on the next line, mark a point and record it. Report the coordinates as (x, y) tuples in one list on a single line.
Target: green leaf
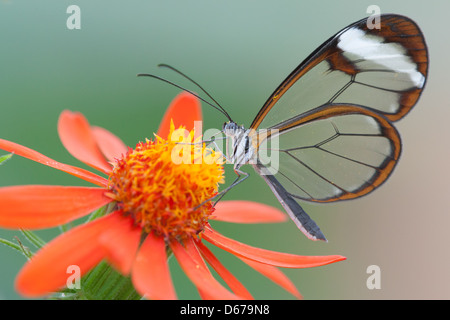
[(4, 158), (33, 238), (19, 247), (101, 211), (10, 244), (105, 283)]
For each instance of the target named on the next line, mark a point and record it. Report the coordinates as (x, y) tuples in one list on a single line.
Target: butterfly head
[(230, 128)]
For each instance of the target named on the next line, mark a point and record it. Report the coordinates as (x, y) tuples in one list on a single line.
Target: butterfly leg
[(207, 142), (236, 181), (241, 176)]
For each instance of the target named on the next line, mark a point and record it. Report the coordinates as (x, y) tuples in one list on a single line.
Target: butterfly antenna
[(197, 84), (180, 87)]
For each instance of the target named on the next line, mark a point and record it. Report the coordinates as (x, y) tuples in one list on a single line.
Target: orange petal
[(238, 211), (235, 285), (274, 258), (274, 274), (183, 110), (121, 242), (38, 157), (77, 137), (32, 207), (111, 146), (196, 270), (47, 271), (196, 256), (150, 273)]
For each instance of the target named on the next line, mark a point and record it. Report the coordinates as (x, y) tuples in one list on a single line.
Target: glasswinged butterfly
[(333, 117)]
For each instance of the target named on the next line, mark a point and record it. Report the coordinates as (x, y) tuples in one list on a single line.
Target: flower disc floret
[(162, 194)]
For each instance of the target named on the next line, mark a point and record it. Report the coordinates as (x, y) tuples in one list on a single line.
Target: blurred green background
[(240, 51)]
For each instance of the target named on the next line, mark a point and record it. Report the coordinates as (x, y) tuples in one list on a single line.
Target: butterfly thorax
[(241, 150)]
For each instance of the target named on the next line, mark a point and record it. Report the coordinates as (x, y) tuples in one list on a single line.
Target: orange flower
[(156, 205)]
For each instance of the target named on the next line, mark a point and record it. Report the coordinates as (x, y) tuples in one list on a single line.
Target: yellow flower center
[(163, 184)]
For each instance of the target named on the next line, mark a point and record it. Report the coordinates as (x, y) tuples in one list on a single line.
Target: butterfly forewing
[(383, 69)]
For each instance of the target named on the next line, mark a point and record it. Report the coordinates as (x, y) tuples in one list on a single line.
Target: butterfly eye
[(230, 128), (225, 125)]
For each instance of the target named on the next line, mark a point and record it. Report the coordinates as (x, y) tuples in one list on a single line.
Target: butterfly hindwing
[(334, 152)]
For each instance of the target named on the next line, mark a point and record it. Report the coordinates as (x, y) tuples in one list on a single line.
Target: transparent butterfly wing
[(333, 115), (383, 69), (335, 152)]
